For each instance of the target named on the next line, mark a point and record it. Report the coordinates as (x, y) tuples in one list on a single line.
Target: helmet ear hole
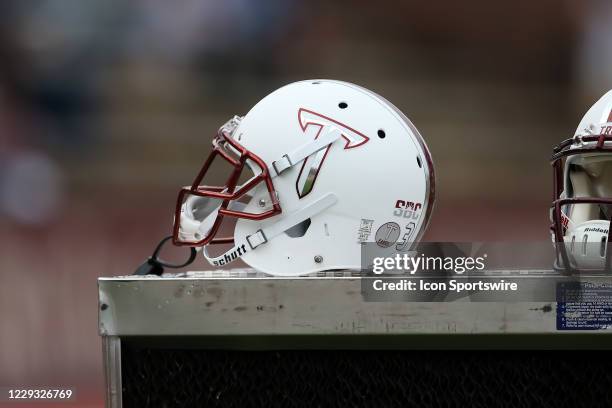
[(299, 230)]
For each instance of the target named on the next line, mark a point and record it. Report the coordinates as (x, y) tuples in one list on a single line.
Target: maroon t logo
[(312, 164)]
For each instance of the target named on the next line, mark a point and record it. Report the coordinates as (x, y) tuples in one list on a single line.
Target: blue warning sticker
[(584, 306)]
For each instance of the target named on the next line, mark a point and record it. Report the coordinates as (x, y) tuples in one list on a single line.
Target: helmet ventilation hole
[(419, 162), (316, 82), (584, 244), (602, 247), (381, 133), (343, 105)]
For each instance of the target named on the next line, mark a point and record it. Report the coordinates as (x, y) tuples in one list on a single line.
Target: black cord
[(155, 266)]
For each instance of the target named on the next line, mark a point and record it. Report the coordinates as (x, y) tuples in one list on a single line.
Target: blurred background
[(107, 107)]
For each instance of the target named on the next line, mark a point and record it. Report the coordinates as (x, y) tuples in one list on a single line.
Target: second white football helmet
[(582, 206), (331, 165)]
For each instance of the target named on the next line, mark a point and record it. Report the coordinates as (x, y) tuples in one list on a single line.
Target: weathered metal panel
[(241, 302)]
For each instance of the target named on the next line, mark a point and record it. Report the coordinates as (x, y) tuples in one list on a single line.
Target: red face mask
[(205, 201)]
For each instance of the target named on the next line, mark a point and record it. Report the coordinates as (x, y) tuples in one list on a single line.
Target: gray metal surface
[(241, 302), (111, 352), (241, 309)]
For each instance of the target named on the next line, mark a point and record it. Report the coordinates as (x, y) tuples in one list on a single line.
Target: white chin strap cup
[(193, 230)]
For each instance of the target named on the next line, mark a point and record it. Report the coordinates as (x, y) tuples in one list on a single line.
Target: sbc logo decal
[(312, 165), (407, 209)]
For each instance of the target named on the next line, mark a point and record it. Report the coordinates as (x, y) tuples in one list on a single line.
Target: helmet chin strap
[(248, 243), (191, 227)]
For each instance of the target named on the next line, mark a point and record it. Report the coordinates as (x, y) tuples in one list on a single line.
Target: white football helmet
[(582, 205), (331, 165)]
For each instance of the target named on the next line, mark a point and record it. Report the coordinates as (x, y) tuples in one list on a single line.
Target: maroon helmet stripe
[(610, 116)]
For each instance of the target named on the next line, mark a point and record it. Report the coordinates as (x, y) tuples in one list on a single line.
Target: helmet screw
[(262, 203), (318, 259)]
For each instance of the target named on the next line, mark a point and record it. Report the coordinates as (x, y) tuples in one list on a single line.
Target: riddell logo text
[(590, 229), (227, 258)]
